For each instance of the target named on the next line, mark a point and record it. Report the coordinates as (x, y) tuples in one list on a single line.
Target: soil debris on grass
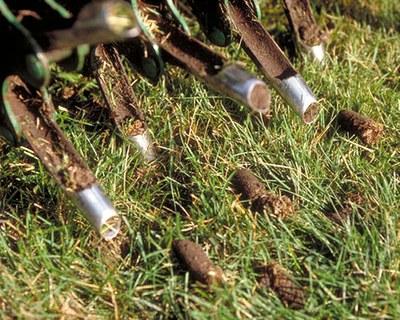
[(195, 260), (252, 189), (351, 199), (72, 307), (68, 92), (277, 278), (368, 130)]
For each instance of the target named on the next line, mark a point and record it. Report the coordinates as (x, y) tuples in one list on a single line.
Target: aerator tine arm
[(221, 20), (120, 98), (30, 119), (97, 22), (213, 69), (308, 34), (27, 116), (271, 60)]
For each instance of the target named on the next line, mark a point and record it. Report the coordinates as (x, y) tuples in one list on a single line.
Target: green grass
[(52, 263)]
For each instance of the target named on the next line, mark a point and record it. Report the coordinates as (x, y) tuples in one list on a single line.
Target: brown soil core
[(260, 98), (369, 131), (46, 139), (261, 200), (311, 113), (351, 199), (275, 277), (195, 260)]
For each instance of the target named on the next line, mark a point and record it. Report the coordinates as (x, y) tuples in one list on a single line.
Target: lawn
[(53, 265)]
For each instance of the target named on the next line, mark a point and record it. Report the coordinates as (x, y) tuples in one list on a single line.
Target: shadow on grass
[(20, 197), (83, 103)]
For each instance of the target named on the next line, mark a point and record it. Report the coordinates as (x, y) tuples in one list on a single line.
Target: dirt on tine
[(302, 22), (368, 130), (188, 52), (275, 277), (117, 91), (252, 189), (351, 199), (46, 139), (258, 43), (196, 261)]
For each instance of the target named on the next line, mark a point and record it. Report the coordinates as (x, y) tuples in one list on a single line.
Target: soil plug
[(120, 98), (267, 55), (196, 261), (308, 34), (30, 116), (369, 131), (252, 189), (275, 277)]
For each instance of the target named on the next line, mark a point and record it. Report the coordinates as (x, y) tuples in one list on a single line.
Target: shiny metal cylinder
[(99, 211), (299, 96), (144, 144), (317, 52), (239, 84)]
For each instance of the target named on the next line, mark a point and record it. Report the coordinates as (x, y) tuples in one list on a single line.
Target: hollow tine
[(210, 67), (307, 32), (34, 115), (120, 98), (271, 60)]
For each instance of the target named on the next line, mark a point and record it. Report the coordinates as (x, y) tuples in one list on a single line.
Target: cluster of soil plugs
[(235, 19), (270, 276)]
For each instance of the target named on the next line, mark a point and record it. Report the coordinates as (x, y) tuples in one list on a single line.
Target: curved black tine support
[(144, 57), (213, 20)]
